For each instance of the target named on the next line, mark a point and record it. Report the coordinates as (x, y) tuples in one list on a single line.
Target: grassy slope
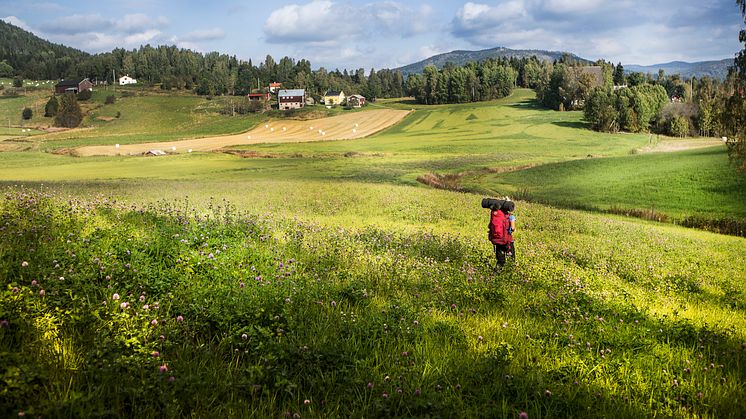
[(678, 184)]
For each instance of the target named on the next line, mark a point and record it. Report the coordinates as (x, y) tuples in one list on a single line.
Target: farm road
[(342, 127)]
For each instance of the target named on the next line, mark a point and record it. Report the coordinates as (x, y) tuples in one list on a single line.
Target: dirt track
[(342, 127)]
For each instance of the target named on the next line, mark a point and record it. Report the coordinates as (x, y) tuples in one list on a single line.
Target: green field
[(326, 281)]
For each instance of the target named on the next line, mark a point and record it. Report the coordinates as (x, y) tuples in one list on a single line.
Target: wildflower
[(142, 298), (287, 300), (453, 306), (675, 382), (15, 290), (154, 322), (162, 338), (163, 368), (385, 395), (241, 284), (399, 390), (146, 307), (244, 336), (370, 386), (156, 354), (34, 283), (480, 338), (24, 264), (700, 395), (171, 379), (547, 393), (417, 392), (334, 303), (306, 402), (523, 415), (405, 354), (123, 305), (179, 319), (386, 378), (115, 297), (4, 324), (42, 293), (416, 322)]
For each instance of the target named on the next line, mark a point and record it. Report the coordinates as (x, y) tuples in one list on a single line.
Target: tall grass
[(299, 298)]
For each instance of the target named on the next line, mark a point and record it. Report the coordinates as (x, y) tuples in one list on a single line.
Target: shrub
[(84, 95), (679, 126), (27, 113), (110, 100), (18, 82), (50, 109)]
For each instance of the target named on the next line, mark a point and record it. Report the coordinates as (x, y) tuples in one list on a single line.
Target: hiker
[(501, 228)]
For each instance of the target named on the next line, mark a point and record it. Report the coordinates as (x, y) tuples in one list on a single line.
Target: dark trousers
[(504, 250)]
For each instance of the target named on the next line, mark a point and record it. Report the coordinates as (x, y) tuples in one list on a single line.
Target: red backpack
[(499, 228)]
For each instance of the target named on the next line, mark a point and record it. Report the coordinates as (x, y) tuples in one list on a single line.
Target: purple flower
[(399, 390), (417, 392), (34, 283), (163, 368), (523, 415), (370, 385), (154, 322), (123, 305), (179, 319), (241, 284), (42, 293), (156, 354), (142, 298), (115, 296), (385, 395), (4, 324), (171, 379), (15, 290)]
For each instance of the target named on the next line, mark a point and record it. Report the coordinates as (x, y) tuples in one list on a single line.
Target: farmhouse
[(334, 97), (274, 87), (73, 86), (126, 80), (291, 99), (259, 96), (356, 101)]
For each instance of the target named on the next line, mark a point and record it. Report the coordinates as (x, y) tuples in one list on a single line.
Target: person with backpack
[(501, 228)]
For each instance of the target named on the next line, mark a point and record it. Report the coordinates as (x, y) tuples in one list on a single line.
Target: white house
[(126, 80)]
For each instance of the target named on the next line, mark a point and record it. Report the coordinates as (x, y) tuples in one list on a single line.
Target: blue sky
[(390, 33)]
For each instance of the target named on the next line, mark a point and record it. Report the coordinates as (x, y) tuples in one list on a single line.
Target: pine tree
[(69, 114)]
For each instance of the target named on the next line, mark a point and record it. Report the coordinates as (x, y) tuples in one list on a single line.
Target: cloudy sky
[(390, 33)]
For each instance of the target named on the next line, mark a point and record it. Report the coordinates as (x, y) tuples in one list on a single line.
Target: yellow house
[(333, 97)]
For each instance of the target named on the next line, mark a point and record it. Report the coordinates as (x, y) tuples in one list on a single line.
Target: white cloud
[(75, 24), (139, 22), (204, 35), (16, 22), (572, 6)]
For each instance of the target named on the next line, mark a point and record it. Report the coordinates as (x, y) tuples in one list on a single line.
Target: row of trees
[(486, 80)]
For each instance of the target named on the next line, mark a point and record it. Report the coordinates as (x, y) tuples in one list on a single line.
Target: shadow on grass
[(572, 124)]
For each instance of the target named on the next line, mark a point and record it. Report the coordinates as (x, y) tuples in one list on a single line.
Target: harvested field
[(342, 127)]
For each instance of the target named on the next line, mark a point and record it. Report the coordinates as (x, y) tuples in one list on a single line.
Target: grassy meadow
[(325, 280)]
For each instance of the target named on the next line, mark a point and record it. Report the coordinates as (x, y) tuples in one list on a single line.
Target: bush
[(27, 113), (679, 126), (50, 109), (110, 100), (84, 95), (18, 82)]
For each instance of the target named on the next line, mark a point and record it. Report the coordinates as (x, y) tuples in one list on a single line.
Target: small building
[(73, 86), (291, 99), (259, 96), (274, 87), (356, 101), (126, 80), (334, 97), (310, 101)]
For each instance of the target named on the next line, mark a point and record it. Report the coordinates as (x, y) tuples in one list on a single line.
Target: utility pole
[(113, 80)]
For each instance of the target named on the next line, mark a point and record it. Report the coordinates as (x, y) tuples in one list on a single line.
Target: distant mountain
[(462, 57), (714, 69), (33, 57)]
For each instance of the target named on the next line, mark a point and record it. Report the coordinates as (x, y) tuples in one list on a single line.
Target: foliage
[(5, 69), (27, 113), (84, 95), (110, 100), (487, 80), (17, 82), (69, 114), (679, 126), (50, 109), (631, 109)]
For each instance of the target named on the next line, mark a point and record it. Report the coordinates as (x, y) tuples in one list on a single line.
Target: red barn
[(73, 86)]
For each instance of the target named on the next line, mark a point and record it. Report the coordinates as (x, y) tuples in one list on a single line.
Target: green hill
[(34, 58)]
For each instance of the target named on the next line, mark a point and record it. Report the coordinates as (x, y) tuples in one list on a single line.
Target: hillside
[(460, 57), (714, 69), (35, 58)]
